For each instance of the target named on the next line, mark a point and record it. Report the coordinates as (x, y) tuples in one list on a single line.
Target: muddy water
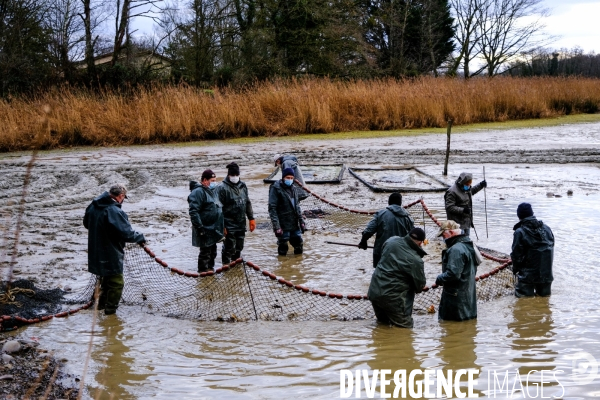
[(138, 355)]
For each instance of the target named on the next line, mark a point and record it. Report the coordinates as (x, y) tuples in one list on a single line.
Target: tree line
[(232, 42)]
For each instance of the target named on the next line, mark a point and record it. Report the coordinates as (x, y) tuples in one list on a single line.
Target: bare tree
[(67, 31), (126, 11), (509, 28), (467, 34)]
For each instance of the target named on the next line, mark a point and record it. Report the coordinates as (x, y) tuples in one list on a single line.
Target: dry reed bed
[(69, 117)]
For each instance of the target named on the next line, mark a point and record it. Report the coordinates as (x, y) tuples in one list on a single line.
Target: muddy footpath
[(539, 162)]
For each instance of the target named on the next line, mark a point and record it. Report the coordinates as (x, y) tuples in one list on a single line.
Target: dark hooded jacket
[(284, 207), (236, 205), (533, 251), (398, 276), (459, 267), (109, 230), (457, 199), (394, 220), (205, 212)]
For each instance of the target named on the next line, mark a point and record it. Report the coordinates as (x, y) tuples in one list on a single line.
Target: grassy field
[(68, 117)]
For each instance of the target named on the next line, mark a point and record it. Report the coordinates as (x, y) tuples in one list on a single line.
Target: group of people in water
[(218, 213)]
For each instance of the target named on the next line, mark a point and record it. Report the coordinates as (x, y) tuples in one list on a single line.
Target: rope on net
[(242, 291)]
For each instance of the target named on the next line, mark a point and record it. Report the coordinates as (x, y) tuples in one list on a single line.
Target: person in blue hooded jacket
[(394, 220), (109, 229), (206, 215), (532, 254)]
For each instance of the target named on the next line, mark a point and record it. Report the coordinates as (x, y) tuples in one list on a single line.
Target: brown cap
[(448, 226)]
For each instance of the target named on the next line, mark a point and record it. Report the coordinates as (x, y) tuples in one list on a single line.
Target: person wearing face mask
[(285, 161), (207, 219), (237, 206), (459, 267), (285, 213), (459, 201), (109, 229), (398, 276)]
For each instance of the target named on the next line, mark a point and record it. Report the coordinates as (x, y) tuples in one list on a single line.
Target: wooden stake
[(447, 146)]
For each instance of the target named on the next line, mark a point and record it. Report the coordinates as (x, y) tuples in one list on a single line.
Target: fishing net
[(243, 291)]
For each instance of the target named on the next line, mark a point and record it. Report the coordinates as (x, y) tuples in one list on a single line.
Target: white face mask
[(234, 179)]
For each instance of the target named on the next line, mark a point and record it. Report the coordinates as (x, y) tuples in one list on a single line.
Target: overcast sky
[(577, 22), (574, 22)]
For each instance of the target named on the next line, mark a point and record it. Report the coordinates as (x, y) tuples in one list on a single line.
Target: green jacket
[(205, 212), (394, 220), (109, 230), (284, 206), (459, 267), (236, 205), (398, 276)]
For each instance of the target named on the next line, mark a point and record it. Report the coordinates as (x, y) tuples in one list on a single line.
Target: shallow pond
[(138, 355)]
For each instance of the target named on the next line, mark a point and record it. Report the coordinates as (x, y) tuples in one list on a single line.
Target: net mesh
[(243, 291)]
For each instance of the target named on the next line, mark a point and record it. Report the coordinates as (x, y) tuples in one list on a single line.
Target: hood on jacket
[(531, 225), (422, 253), (464, 178), (104, 200), (397, 210), (194, 185)]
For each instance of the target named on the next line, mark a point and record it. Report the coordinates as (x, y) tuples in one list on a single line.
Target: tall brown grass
[(179, 113)]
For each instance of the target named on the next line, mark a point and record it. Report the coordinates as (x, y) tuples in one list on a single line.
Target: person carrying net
[(109, 229), (394, 220)]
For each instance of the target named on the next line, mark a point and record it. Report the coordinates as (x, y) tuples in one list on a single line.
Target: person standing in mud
[(207, 219), (394, 220), (532, 254), (459, 267), (285, 213), (399, 275), (459, 201), (233, 195), (109, 229)]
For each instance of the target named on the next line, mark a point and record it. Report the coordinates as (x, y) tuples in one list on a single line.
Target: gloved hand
[(467, 210), (363, 245), (200, 231), (483, 183), (252, 224), (302, 227), (278, 232)]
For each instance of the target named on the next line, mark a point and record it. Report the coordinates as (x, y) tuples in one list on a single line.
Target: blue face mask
[(466, 188), (288, 182), (212, 185)]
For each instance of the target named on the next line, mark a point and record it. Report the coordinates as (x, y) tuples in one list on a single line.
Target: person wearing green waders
[(109, 229), (399, 275), (459, 267)]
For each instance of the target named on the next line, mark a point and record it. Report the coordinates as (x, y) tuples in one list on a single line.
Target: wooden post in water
[(447, 146)]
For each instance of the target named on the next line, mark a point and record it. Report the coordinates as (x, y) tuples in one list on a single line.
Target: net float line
[(12, 322), (415, 213)]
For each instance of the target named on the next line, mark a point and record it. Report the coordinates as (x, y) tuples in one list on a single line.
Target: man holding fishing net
[(109, 229), (394, 220), (399, 275)]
